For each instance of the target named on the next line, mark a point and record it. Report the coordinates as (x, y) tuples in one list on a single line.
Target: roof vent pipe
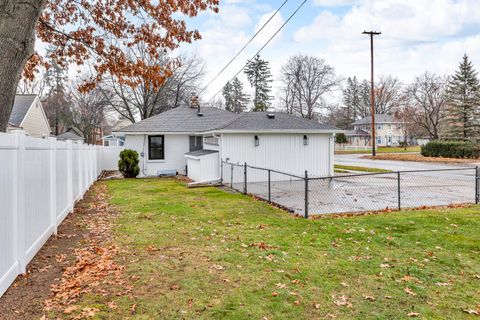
[(270, 116)]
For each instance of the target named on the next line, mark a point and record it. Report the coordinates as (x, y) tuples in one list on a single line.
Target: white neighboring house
[(204, 138), (28, 116), (389, 131)]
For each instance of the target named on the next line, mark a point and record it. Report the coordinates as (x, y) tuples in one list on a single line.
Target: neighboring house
[(113, 141), (170, 140), (389, 131), (357, 137), (72, 134), (28, 115)]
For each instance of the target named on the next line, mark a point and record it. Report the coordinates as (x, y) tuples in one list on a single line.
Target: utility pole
[(372, 94)]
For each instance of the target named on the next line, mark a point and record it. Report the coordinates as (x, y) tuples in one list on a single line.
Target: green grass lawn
[(205, 253), (383, 150), (346, 169)]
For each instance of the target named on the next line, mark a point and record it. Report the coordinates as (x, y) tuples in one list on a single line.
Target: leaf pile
[(94, 265)]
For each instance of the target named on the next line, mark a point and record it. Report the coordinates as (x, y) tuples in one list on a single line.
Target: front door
[(196, 143)]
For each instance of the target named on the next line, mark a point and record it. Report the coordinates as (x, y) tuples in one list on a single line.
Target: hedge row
[(451, 149)]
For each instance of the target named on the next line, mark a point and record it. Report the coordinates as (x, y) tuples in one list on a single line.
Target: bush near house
[(450, 149), (128, 163), (341, 138)]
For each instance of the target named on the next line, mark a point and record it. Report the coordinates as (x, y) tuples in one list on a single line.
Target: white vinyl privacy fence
[(40, 181)]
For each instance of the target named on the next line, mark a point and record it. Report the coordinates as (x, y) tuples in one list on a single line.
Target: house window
[(156, 147), (257, 141), (379, 140), (211, 140), (196, 143), (379, 126)]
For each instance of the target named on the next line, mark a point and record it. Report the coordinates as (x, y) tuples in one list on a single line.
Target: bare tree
[(87, 112), (427, 97), (144, 101), (306, 81), (35, 86), (388, 95)]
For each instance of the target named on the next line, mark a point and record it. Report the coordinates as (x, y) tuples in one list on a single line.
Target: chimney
[(194, 103)]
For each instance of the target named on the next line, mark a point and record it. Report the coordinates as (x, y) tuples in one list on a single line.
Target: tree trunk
[(18, 19)]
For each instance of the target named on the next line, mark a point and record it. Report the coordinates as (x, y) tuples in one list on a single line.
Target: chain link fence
[(355, 192)]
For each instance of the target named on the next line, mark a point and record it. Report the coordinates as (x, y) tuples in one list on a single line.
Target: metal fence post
[(245, 178), (269, 187), (231, 175), (306, 194), (399, 192), (476, 185), (221, 172)]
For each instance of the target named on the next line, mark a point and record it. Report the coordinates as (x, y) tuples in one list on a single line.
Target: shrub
[(341, 138), (450, 149), (128, 163)]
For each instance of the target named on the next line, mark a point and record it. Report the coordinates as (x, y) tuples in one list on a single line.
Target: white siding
[(205, 168), (282, 152), (35, 122), (176, 145)]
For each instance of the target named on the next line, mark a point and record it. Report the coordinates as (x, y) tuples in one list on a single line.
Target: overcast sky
[(417, 35)]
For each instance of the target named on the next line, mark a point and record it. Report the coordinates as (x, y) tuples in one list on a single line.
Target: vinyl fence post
[(476, 185), (269, 186), (231, 175), (245, 178), (19, 204), (53, 184), (70, 195), (306, 194), (399, 191)]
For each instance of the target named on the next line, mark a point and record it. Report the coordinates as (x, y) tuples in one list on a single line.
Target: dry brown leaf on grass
[(413, 314), (369, 297), (471, 311), (409, 291), (342, 301)]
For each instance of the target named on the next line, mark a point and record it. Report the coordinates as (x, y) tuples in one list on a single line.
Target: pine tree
[(55, 102), (463, 102), (351, 100), (240, 99), (227, 93), (260, 78)]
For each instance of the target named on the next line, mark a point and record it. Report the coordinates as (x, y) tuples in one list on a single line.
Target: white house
[(204, 138), (28, 115), (389, 130)]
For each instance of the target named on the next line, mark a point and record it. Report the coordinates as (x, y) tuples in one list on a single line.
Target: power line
[(244, 47), (263, 47)]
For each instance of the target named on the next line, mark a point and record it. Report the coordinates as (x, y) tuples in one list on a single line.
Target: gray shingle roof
[(359, 133), (21, 105), (252, 121), (379, 118), (69, 135), (201, 152), (185, 119)]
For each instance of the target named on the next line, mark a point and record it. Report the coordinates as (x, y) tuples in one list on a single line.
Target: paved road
[(356, 160)]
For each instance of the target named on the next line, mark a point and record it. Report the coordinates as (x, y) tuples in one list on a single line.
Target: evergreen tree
[(55, 102), (227, 93), (463, 102), (260, 78), (351, 100), (240, 99), (364, 106)]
